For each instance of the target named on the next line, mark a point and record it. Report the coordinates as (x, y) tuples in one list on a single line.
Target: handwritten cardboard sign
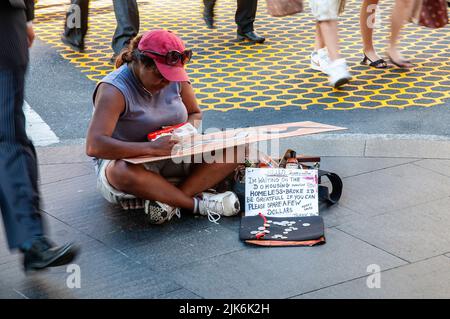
[(205, 143), (281, 192)]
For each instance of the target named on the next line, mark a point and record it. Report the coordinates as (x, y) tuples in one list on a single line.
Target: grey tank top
[(144, 112)]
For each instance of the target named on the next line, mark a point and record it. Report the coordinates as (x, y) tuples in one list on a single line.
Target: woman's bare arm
[(109, 104)]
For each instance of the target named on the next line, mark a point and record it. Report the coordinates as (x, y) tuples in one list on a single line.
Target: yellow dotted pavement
[(229, 75)]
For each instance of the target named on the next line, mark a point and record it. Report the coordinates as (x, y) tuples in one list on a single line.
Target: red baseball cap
[(162, 42)]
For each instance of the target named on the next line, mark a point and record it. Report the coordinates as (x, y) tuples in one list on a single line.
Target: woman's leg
[(319, 44), (329, 34), (402, 10), (137, 181), (367, 25), (205, 176)]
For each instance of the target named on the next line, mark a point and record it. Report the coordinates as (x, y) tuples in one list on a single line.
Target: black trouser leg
[(76, 23), (208, 11), (19, 194), (127, 17), (245, 15)]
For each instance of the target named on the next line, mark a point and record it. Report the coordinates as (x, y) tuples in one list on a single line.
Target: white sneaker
[(220, 204), (338, 73), (159, 213), (320, 60)]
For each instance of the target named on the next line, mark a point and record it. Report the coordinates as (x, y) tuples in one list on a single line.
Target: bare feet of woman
[(396, 58)]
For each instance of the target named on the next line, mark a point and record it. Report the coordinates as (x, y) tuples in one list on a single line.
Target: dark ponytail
[(132, 53)]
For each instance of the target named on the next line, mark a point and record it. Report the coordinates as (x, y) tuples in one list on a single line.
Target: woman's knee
[(121, 175)]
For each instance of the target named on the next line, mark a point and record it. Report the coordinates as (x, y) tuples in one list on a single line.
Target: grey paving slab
[(104, 273), (6, 292), (5, 254), (62, 154), (179, 294), (393, 189), (425, 279), (438, 166), (51, 173), (11, 262), (149, 242), (413, 234), (412, 148), (337, 214), (57, 232), (78, 203), (131, 235), (174, 249), (350, 166), (258, 272)]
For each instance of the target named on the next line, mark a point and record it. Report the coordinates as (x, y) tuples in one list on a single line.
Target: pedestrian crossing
[(38, 131)]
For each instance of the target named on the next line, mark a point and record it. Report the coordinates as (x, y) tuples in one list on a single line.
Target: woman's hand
[(162, 146)]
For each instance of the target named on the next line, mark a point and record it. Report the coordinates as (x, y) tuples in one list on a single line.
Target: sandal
[(378, 64), (404, 64)]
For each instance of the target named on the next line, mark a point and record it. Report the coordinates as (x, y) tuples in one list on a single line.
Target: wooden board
[(206, 143)]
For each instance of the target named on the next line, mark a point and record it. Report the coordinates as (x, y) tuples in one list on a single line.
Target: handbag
[(282, 8), (430, 13)]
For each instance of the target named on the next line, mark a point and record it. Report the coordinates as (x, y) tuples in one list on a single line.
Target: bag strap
[(337, 185), (336, 182)]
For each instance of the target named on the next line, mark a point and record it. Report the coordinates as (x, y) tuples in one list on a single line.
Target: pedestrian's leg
[(127, 17), (208, 12), (402, 10), (19, 195), (245, 15), (367, 26), (329, 34), (319, 43), (337, 69), (76, 24)]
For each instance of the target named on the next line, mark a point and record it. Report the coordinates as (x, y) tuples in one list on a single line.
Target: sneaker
[(338, 73), (159, 213), (215, 205), (320, 60)]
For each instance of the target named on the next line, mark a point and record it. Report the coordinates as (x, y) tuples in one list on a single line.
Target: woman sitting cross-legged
[(150, 89)]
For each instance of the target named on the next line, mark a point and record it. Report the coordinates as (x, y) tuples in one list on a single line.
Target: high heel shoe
[(378, 64)]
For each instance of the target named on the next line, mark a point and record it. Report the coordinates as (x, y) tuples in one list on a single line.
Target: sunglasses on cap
[(172, 57)]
